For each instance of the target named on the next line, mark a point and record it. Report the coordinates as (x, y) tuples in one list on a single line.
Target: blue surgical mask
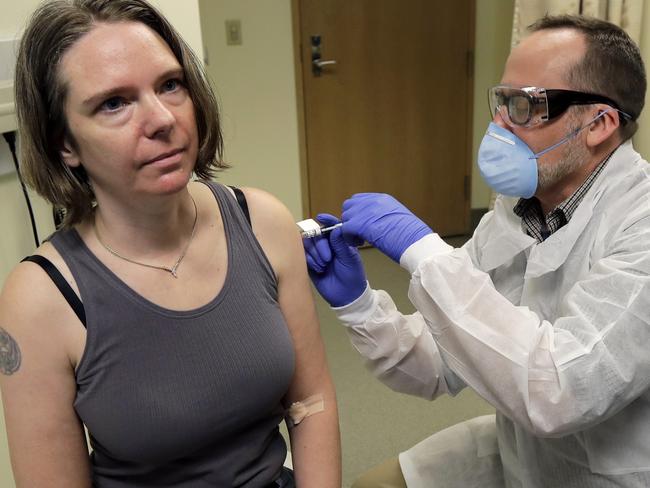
[(508, 165)]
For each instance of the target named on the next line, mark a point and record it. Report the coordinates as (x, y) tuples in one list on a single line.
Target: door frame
[(302, 131)]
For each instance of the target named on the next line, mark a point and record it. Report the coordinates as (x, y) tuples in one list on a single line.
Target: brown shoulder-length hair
[(41, 94)]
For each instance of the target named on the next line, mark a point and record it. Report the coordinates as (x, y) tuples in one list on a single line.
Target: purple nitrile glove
[(334, 267), (383, 222)]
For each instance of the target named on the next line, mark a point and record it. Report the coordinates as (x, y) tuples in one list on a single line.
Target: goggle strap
[(570, 135)]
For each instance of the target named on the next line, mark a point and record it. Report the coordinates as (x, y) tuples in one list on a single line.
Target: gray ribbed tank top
[(184, 399)]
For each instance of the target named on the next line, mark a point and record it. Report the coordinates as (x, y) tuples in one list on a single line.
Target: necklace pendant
[(171, 270)]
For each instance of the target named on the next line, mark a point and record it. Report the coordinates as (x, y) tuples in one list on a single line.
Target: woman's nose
[(158, 118)]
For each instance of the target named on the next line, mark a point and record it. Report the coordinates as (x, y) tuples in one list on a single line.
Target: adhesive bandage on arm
[(298, 411)]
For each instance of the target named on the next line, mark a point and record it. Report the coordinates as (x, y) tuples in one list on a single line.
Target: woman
[(195, 330)]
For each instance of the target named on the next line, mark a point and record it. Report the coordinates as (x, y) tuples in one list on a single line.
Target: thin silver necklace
[(173, 269)]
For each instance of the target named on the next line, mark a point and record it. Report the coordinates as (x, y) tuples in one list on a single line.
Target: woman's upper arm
[(315, 443), (46, 438), (277, 233)]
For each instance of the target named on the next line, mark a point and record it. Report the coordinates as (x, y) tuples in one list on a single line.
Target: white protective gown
[(555, 335)]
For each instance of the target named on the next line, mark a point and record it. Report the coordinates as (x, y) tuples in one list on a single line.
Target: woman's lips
[(169, 157)]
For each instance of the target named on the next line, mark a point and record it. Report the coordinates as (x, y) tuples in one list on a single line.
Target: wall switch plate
[(233, 32)]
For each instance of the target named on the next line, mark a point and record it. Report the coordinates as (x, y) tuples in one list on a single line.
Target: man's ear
[(69, 154), (604, 127)]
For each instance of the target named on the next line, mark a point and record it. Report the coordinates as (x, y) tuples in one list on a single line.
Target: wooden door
[(393, 114)]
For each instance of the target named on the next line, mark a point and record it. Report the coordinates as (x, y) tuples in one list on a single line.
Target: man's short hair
[(41, 94), (612, 65)]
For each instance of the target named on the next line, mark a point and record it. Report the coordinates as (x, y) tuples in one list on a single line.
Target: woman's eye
[(112, 104), (171, 85)]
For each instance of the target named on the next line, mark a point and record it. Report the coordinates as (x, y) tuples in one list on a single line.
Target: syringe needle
[(331, 227)]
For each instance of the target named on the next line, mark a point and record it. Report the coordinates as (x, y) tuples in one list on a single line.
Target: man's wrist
[(429, 246), (359, 310)]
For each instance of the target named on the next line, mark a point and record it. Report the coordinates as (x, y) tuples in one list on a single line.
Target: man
[(545, 312)]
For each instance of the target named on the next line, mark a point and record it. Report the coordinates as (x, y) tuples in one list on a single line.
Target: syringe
[(311, 228)]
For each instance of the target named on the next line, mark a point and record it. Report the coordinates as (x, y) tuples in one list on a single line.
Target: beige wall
[(185, 17), (14, 16), (255, 86)]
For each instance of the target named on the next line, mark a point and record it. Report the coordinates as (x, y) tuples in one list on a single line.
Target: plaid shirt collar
[(536, 225)]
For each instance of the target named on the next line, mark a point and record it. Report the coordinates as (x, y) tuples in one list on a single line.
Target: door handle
[(317, 63)]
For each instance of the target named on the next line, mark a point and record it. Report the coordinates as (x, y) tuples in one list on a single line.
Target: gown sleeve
[(552, 378), (399, 349)]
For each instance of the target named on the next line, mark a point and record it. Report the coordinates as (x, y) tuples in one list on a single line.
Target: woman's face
[(129, 112)]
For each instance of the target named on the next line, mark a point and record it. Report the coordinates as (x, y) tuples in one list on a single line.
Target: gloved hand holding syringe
[(311, 228), (334, 265)]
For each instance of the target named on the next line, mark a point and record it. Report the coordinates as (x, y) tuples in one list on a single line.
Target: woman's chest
[(151, 390)]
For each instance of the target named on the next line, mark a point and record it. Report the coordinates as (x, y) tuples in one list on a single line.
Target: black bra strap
[(63, 286), (241, 199)]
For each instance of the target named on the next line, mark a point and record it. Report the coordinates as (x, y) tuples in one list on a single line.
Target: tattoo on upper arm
[(9, 353)]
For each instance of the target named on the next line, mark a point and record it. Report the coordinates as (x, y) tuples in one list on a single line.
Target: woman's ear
[(605, 127), (69, 154)]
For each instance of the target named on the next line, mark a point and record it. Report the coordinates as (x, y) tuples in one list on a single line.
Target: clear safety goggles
[(530, 105)]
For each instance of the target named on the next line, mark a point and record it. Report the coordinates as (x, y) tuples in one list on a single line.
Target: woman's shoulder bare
[(275, 229), (29, 295), (267, 211)]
